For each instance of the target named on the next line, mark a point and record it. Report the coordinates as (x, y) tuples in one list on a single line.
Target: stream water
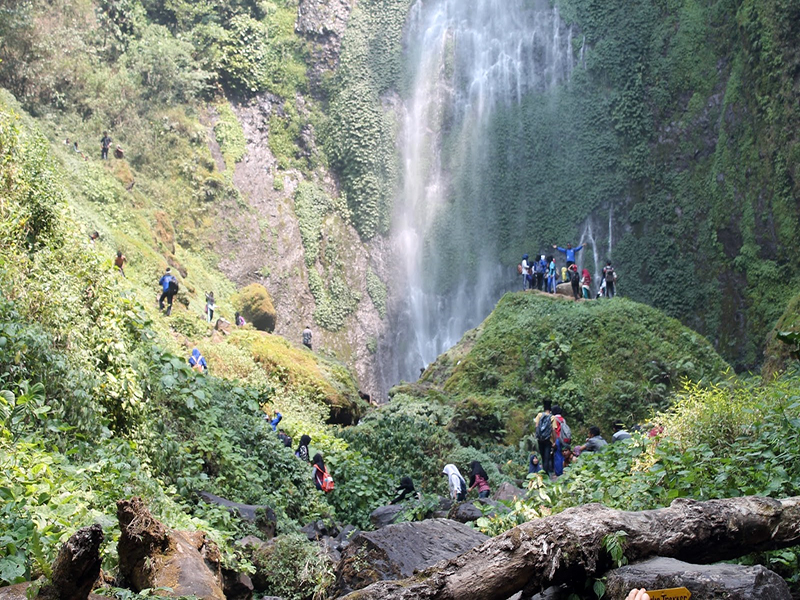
[(465, 58)]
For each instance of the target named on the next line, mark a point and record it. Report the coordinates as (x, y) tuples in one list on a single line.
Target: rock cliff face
[(324, 22), (261, 242)]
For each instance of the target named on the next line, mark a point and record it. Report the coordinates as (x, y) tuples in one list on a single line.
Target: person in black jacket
[(302, 449), (406, 489)]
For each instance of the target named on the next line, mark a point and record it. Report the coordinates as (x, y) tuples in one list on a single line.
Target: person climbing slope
[(478, 478), (198, 362), (169, 287), (569, 252), (210, 306), (307, 335), (120, 261), (543, 429), (458, 487), (302, 449), (406, 490), (322, 479)]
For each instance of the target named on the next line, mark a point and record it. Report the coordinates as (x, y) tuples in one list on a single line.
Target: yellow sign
[(680, 593)]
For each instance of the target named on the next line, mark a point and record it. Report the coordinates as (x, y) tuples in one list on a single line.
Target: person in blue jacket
[(198, 362), (169, 287), (569, 251)]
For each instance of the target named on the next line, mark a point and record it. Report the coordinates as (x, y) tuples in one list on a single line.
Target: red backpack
[(326, 483)]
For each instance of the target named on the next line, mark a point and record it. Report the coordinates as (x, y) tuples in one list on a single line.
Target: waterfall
[(465, 59)]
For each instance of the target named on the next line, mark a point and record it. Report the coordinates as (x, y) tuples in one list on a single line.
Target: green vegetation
[(256, 307), (600, 360), (230, 136), (377, 292), (361, 133)]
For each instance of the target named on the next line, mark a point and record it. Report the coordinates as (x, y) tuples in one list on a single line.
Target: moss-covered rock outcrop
[(600, 360)]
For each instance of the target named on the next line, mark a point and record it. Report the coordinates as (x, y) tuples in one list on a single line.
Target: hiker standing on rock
[(575, 281), (307, 335), (569, 252), (610, 278)]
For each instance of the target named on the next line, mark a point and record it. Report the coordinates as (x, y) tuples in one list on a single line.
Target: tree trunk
[(569, 546), (76, 567)]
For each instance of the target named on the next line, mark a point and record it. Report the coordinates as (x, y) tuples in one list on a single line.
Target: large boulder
[(705, 582), (153, 556), (508, 492), (385, 515), (397, 550)]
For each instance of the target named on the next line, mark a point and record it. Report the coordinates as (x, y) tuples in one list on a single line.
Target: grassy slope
[(600, 360)]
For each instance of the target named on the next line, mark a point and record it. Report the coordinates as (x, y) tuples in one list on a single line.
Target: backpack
[(574, 277), (326, 484), (609, 274), (519, 269), (544, 429), (172, 286), (564, 432), (462, 495)]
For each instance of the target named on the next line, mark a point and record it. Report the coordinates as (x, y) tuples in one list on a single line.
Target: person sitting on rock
[(302, 449), (406, 490), (458, 487), (478, 478), (239, 320)]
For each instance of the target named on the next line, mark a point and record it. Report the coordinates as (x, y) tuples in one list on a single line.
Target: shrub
[(293, 568), (255, 304)]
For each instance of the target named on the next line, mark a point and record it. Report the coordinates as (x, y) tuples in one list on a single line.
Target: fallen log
[(570, 546)]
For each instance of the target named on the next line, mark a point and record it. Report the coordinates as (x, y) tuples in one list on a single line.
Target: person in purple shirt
[(570, 252)]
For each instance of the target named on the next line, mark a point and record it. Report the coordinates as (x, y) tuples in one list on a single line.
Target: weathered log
[(76, 567), (569, 546), (153, 556)]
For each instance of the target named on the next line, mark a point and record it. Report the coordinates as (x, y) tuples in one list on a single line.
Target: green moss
[(230, 135), (255, 304), (335, 302), (311, 205), (599, 360), (377, 292)]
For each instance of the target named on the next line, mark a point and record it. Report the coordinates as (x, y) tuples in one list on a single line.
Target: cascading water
[(467, 59)]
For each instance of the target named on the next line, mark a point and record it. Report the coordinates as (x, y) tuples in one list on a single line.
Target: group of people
[(105, 146), (542, 274), (554, 440)]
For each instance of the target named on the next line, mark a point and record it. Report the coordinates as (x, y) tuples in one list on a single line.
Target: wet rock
[(385, 515), (397, 550), (324, 23), (508, 493), (153, 556), (263, 516), (465, 512), (317, 530), (708, 582), (237, 586)]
